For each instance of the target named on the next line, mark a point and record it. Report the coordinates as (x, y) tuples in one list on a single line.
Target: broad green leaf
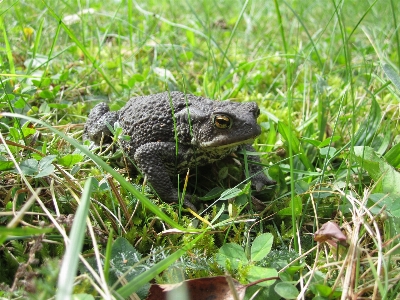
[(46, 161), (329, 140), (286, 290), (213, 194), (233, 253), (14, 132), (27, 131), (294, 269), (123, 257), (46, 94), (125, 261), (45, 171), (256, 273), (70, 160), (138, 77), (29, 166), (391, 203), (301, 187), (313, 142), (20, 103), (327, 151), (64, 76), (383, 143), (45, 167), (223, 173), (261, 246), (321, 290), (393, 156), (11, 97), (231, 193), (387, 178)]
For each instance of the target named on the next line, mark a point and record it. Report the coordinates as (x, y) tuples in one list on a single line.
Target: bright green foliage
[(286, 290), (261, 246), (232, 257), (40, 168), (324, 292), (70, 160), (325, 75), (386, 177), (126, 262)]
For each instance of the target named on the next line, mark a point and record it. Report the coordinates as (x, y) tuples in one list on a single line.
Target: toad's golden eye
[(222, 121)]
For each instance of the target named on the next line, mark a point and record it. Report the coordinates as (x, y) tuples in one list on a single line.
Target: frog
[(170, 133)]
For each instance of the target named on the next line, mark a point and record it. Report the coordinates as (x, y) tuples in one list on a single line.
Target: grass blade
[(290, 110), (392, 74), (71, 258), (8, 47)]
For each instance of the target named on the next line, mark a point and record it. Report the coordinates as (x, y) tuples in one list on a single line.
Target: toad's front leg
[(157, 161), (96, 128), (259, 180)]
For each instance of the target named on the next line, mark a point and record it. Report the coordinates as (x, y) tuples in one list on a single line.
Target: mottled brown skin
[(171, 132)]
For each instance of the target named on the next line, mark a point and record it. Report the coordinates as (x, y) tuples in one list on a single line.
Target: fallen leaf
[(216, 288), (330, 232)]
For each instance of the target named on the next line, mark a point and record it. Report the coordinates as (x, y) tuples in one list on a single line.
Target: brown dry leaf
[(216, 288), (330, 232)]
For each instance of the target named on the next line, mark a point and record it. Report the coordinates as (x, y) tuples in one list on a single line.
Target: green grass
[(326, 77)]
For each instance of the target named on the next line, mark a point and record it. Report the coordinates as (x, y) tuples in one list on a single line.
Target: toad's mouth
[(225, 143)]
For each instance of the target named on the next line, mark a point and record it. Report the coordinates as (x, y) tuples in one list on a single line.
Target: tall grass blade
[(396, 31), (290, 110), (8, 47), (70, 261)]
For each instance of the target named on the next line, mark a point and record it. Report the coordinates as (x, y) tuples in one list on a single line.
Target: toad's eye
[(222, 121)]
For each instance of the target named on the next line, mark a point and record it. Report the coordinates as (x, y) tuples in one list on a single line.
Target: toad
[(172, 132)]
